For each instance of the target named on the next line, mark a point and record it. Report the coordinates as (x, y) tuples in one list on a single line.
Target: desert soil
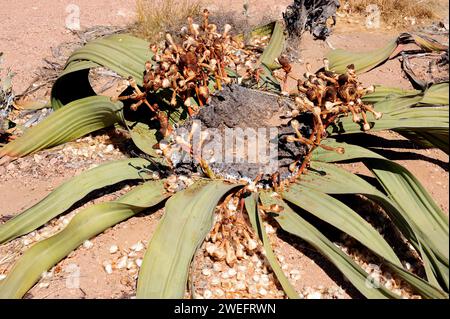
[(29, 29)]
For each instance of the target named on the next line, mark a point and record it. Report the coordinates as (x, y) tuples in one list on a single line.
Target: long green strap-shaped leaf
[(66, 195), (383, 93), (330, 179), (339, 215), (187, 220), (437, 94), (124, 54), (364, 61), (296, 225), (406, 191), (82, 117), (408, 118), (428, 137), (87, 224), (274, 48), (418, 208), (251, 203), (293, 223)]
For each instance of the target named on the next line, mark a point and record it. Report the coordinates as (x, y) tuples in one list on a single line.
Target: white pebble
[(256, 278), (242, 268), (109, 149), (88, 244), (219, 292), (131, 265), (44, 285), (232, 272), (269, 229), (113, 249), (217, 267), (206, 272), (314, 295), (295, 274), (240, 285), (207, 294), (252, 290), (132, 254), (108, 268), (139, 262), (240, 276), (122, 262), (262, 292), (138, 246), (26, 242), (2, 276), (215, 281), (265, 280), (47, 275)]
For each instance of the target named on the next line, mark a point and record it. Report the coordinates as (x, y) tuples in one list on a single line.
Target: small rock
[(37, 158), (207, 294), (219, 292), (88, 244), (232, 272), (44, 285), (314, 295), (122, 262), (138, 246), (109, 149), (206, 272), (108, 267), (215, 281), (217, 267), (262, 292), (2, 276), (113, 249)]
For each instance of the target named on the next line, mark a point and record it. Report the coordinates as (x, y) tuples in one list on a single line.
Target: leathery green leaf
[(340, 216), (414, 203), (296, 225), (274, 48), (86, 224), (251, 204), (124, 54), (187, 220), (329, 179), (66, 195), (82, 117), (363, 61)]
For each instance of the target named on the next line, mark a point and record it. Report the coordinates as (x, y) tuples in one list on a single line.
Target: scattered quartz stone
[(217, 267), (113, 249), (262, 292), (2, 276), (314, 295), (215, 281), (207, 294), (108, 267), (88, 244), (232, 272), (206, 272), (295, 274), (219, 292), (44, 285), (138, 262), (138, 246), (122, 262), (109, 149)]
